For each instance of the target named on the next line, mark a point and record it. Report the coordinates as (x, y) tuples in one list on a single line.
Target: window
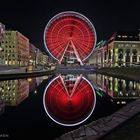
[(134, 45), (134, 57), (127, 56), (120, 45), (120, 57), (109, 54), (127, 45), (124, 36)]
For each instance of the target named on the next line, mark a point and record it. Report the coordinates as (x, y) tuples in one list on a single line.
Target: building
[(13, 92), (33, 55), (100, 56), (45, 60), (122, 49), (42, 59), (16, 49), (2, 30)]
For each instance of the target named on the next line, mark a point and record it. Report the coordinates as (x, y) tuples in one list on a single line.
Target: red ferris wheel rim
[(92, 103), (69, 26)]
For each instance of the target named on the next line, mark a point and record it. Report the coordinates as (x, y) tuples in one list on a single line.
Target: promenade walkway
[(103, 126), (130, 130), (15, 73)]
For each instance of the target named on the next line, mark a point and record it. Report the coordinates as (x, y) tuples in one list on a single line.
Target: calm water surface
[(22, 114)]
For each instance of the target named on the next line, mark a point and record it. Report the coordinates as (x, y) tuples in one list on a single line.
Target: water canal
[(22, 113)]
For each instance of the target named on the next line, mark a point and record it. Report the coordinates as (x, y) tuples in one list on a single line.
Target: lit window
[(13, 62), (124, 36), (123, 102), (118, 102), (120, 45), (10, 63), (6, 62), (134, 45)]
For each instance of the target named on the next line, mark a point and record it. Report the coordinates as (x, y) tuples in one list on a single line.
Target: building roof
[(126, 36)]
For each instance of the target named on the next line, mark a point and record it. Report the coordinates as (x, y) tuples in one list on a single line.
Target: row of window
[(10, 51), (10, 55), (127, 36), (127, 45), (9, 46), (6, 42)]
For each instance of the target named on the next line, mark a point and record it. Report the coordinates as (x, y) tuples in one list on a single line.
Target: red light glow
[(69, 27), (66, 109)]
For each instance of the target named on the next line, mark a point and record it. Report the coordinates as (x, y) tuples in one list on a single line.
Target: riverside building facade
[(122, 49), (16, 49)]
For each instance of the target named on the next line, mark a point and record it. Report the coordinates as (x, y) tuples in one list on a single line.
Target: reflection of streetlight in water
[(35, 91)]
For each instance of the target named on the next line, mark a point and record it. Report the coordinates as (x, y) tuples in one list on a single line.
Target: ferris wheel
[(70, 34), (69, 101)]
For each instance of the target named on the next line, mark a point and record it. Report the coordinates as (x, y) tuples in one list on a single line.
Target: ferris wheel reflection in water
[(69, 99)]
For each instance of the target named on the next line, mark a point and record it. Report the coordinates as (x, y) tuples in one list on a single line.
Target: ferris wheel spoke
[(70, 27)]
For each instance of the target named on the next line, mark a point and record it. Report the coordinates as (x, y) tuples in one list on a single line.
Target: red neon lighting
[(70, 28), (66, 109)]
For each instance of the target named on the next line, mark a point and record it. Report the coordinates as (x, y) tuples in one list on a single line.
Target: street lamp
[(8, 58), (35, 57), (1, 55)]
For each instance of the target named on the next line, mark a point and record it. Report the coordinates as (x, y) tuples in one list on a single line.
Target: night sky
[(30, 17)]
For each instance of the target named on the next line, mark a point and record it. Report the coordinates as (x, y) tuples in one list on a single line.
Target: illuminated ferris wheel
[(69, 100), (70, 35)]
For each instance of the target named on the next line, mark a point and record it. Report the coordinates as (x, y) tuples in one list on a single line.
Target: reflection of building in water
[(117, 88), (122, 49), (70, 82), (32, 83), (39, 80), (2, 106), (13, 92)]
